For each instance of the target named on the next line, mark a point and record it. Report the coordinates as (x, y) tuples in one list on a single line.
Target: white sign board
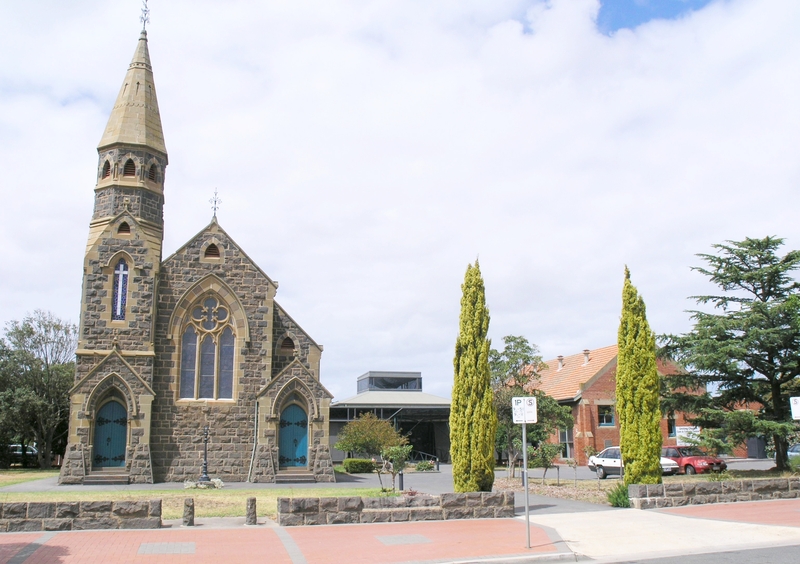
[(683, 433), (795, 403), (524, 410)]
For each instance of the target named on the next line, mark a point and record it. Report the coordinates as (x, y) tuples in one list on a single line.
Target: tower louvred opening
[(152, 173), (130, 168), (106, 170), (212, 251), (124, 228)]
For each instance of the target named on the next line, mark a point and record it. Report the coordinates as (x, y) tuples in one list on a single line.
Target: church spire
[(135, 119)]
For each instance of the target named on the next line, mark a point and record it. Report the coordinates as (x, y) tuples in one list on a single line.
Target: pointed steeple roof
[(135, 119)]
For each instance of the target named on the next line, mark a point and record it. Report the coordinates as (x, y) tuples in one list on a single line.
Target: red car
[(692, 460)]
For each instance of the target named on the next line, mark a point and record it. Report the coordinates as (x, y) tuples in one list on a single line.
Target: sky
[(367, 151)]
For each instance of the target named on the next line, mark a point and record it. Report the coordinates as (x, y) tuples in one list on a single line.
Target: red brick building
[(587, 382)]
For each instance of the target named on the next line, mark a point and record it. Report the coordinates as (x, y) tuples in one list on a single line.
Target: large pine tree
[(638, 388), (473, 420)]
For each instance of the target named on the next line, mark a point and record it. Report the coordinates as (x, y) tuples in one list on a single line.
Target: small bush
[(618, 496), (358, 465), (794, 464), (720, 476), (424, 466)]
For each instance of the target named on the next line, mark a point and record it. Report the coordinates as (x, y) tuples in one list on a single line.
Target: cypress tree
[(637, 391), (473, 419)]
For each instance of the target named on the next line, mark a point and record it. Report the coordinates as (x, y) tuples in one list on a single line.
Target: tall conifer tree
[(637, 391), (473, 419)]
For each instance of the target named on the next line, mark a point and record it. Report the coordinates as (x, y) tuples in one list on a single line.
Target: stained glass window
[(120, 292), (207, 352), (188, 359)]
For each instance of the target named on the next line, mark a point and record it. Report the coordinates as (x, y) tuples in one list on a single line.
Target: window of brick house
[(671, 425), (605, 415), (565, 437), (207, 352)]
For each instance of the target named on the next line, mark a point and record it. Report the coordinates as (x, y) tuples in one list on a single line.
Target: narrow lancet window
[(188, 360), (106, 170), (130, 168), (226, 364), (152, 173), (120, 293)]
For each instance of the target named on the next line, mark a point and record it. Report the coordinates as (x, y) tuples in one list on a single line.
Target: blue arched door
[(110, 433), (293, 441)]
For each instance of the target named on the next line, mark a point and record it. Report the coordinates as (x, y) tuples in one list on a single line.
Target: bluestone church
[(167, 347)]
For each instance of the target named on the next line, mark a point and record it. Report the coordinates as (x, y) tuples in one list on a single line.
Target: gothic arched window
[(120, 291), (207, 352)]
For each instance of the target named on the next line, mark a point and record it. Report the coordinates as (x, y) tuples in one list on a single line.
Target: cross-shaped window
[(120, 294)]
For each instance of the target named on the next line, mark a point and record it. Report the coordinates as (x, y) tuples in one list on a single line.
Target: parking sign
[(524, 410), (795, 403)]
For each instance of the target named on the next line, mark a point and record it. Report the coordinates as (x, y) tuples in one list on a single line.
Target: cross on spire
[(145, 17), (215, 202)]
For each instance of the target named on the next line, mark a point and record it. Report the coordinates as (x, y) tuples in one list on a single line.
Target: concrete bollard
[(188, 512), (252, 516)]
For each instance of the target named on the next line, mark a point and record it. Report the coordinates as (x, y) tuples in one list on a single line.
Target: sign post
[(794, 403), (524, 412)]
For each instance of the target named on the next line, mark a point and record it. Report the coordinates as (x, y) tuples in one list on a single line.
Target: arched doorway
[(110, 435), (293, 441)]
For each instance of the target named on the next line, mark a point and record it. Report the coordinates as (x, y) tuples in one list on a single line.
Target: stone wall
[(79, 515), (336, 510), (654, 496)]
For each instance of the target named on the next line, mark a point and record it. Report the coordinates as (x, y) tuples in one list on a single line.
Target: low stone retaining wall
[(653, 496), (79, 515), (333, 510)]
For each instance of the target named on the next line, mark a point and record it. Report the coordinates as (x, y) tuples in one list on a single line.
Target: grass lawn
[(19, 475), (207, 503)]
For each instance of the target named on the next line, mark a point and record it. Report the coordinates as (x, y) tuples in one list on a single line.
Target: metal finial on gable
[(145, 17), (215, 202)]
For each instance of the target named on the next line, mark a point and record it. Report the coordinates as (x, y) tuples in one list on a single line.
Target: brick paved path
[(332, 544)]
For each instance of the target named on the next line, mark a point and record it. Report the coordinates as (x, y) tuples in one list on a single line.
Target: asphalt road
[(779, 555)]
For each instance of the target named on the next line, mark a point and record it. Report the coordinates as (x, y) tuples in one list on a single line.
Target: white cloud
[(365, 152)]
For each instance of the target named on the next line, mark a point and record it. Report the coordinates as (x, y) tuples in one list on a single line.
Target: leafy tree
[(543, 456), (394, 459), (638, 391), (38, 368), (748, 347), (473, 421), (516, 372), (513, 368), (369, 435)]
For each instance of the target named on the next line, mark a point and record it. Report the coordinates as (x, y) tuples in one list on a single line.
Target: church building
[(169, 347)]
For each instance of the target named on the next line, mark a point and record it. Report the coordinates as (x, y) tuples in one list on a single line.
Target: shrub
[(358, 465), (618, 496), (720, 476), (424, 466)]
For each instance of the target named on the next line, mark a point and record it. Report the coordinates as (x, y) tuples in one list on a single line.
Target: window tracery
[(207, 352)]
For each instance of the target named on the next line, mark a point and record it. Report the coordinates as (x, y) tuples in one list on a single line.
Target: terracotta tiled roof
[(565, 384)]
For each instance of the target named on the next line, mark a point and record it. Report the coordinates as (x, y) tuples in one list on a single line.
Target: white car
[(608, 463)]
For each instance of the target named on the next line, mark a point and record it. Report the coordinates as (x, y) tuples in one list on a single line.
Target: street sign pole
[(525, 484), (524, 411)]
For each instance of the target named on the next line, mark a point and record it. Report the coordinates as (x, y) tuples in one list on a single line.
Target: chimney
[(585, 357), (560, 362)]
